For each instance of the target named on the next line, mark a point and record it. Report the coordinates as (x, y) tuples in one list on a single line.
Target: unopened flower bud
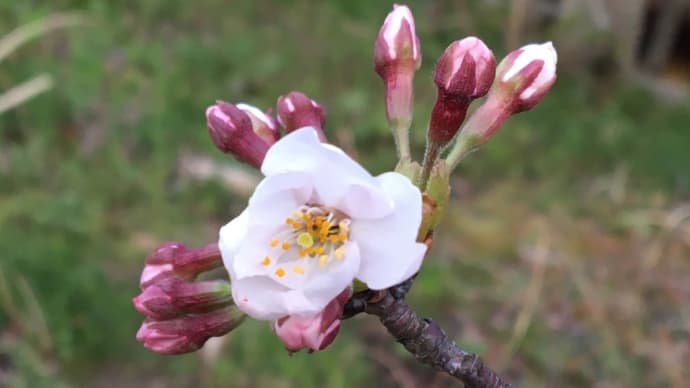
[(263, 124), (522, 79), (463, 73), (315, 332), (170, 297), (396, 58), (295, 110), (397, 45), (232, 132), (188, 333), (175, 258), (526, 74)]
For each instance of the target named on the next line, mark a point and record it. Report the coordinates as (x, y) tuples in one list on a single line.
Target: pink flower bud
[(315, 332), (170, 297), (526, 74), (396, 57), (175, 258), (522, 79), (397, 45), (466, 69), (188, 333), (264, 124), (463, 73), (295, 110), (232, 132)]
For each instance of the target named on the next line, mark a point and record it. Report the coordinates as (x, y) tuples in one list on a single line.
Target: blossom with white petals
[(316, 222)]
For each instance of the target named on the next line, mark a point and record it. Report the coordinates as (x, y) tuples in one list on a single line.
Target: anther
[(280, 272)]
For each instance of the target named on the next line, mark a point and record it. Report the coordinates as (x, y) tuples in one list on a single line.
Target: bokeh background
[(564, 259)]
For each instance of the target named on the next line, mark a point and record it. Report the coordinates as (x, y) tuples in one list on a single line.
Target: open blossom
[(316, 222)]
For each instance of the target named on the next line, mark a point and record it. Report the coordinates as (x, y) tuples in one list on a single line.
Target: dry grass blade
[(25, 33), (25, 91)]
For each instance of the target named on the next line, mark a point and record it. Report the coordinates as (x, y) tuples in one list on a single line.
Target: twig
[(422, 337)]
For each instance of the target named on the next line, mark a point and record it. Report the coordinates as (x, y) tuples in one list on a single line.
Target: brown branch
[(422, 337)]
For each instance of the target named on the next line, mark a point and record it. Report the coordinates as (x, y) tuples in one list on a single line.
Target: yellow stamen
[(310, 251), (305, 240), (318, 250), (333, 238), (301, 252), (289, 221), (274, 242), (280, 272), (342, 236), (343, 227), (298, 214), (323, 260), (298, 269), (339, 253), (266, 261), (285, 245), (306, 216)]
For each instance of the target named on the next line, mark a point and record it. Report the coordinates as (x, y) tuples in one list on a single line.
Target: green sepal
[(358, 285), (409, 168), (438, 189)]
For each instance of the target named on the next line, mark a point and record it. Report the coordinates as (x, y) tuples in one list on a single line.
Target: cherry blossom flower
[(317, 221)]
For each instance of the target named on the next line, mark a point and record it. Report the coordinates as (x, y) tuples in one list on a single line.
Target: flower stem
[(430, 156)]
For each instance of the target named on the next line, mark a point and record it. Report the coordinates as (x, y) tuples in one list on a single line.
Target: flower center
[(313, 233)]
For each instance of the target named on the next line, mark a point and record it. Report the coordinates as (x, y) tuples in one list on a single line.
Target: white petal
[(230, 239), (339, 181), (319, 285), (262, 298), (274, 199), (390, 253), (277, 196), (335, 277)]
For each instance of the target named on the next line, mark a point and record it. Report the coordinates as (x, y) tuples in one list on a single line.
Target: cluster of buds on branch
[(320, 232), (181, 314), (246, 133)]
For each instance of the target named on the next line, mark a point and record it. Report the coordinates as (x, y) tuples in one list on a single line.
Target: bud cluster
[(247, 133), (181, 314)]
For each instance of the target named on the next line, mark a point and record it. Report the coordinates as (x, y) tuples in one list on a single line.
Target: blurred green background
[(564, 258)]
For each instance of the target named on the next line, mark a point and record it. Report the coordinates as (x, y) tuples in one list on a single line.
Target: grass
[(563, 258)]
